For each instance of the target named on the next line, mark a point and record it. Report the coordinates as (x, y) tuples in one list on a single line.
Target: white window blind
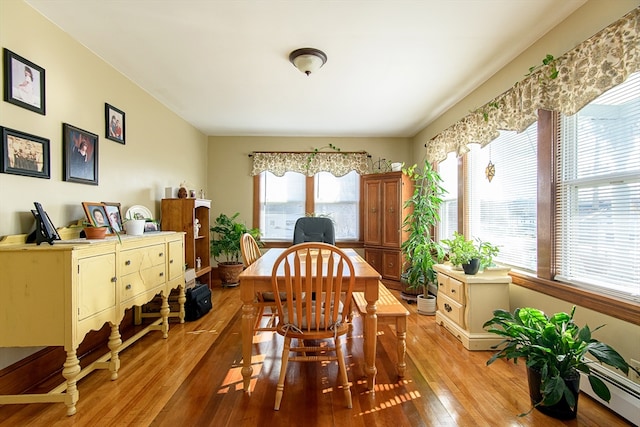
[(448, 171), (503, 211), (339, 199), (282, 202), (598, 197)]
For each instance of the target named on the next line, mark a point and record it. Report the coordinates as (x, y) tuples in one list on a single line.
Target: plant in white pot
[(134, 226), (421, 251)]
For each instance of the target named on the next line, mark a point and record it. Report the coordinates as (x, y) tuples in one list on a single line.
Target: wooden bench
[(389, 306)]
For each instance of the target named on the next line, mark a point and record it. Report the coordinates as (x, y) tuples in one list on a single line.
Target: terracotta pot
[(95, 233), (229, 272)]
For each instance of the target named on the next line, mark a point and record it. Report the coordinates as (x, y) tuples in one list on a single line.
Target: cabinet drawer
[(137, 259), (137, 283), (455, 290), (451, 309)]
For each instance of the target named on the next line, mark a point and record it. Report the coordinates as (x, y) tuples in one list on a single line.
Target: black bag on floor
[(198, 302)]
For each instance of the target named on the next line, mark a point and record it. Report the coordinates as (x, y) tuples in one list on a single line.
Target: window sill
[(614, 307)]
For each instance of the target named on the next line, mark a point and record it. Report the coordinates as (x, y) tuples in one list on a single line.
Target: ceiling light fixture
[(308, 60)]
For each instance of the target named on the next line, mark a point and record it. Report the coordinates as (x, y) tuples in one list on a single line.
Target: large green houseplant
[(468, 254), (225, 242), (420, 250), (554, 348)]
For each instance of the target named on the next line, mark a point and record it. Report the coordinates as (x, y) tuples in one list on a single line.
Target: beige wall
[(161, 149), (230, 177), (585, 22)]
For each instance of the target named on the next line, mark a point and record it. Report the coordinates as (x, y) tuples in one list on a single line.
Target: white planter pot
[(427, 304), (135, 227)]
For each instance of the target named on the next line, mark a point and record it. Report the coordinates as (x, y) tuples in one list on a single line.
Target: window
[(598, 198), (504, 210), (448, 171), (284, 199)]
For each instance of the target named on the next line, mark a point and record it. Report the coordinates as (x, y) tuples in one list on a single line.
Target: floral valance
[(584, 73), (310, 163)]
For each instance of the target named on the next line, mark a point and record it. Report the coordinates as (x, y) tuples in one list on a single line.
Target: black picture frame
[(80, 148), (24, 83), (114, 124), (114, 215), (24, 154)]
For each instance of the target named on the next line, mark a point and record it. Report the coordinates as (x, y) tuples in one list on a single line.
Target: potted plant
[(135, 226), (554, 349), (225, 241), (94, 232), (469, 255), (420, 250)]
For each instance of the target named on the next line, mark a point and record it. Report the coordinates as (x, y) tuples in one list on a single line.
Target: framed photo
[(24, 154), (114, 216), (151, 225), (23, 83), (114, 123), (80, 155), (96, 214)]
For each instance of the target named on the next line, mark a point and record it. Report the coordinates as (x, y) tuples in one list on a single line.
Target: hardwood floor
[(193, 379)]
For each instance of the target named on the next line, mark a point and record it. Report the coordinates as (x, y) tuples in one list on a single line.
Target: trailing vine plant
[(315, 152)]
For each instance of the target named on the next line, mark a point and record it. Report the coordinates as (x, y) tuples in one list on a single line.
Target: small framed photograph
[(114, 216), (151, 225), (96, 214), (24, 154), (114, 123), (23, 83), (80, 155)]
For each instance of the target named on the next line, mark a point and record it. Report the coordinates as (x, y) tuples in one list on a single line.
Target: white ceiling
[(222, 65)]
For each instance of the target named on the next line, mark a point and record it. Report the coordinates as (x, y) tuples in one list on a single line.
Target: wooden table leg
[(182, 298), (115, 341), (248, 320), (164, 313), (401, 332), (370, 333)]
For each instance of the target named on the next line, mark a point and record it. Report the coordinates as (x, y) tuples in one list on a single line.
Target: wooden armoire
[(383, 200)]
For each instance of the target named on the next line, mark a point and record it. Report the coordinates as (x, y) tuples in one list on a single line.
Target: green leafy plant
[(548, 60), (226, 234), (555, 347), (315, 152), (461, 250), (421, 251)]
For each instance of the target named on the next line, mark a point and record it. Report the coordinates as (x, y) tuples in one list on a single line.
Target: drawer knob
[(161, 274), (453, 291), (114, 279), (127, 262), (161, 254), (170, 261), (128, 287), (447, 308)]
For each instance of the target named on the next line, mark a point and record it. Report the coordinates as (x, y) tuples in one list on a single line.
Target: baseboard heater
[(625, 394)]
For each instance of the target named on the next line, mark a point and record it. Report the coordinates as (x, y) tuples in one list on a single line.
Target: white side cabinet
[(53, 295), (466, 302)]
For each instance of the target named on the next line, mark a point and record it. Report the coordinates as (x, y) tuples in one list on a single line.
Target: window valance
[(585, 72), (309, 163)]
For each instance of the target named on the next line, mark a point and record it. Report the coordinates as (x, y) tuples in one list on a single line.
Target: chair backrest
[(314, 229), (318, 280), (249, 249)]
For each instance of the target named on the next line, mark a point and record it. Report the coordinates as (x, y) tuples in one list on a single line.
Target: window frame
[(309, 207)]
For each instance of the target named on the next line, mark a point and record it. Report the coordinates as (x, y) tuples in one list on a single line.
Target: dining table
[(257, 278)]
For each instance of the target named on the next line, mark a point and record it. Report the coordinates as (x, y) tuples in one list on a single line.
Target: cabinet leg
[(401, 332), (182, 298), (115, 341), (70, 371), (164, 312)]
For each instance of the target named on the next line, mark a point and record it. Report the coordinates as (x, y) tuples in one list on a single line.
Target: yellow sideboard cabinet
[(53, 295), (466, 302)]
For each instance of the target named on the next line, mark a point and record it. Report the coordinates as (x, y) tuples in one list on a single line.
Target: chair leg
[(343, 372), (283, 372)]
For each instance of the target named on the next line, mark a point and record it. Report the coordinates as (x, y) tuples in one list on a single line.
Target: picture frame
[(114, 215), (114, 124), (80, 155), (24, 154), (96, 214), (24, 83)]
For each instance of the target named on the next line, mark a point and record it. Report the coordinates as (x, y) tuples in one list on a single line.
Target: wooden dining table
[(257, 278)]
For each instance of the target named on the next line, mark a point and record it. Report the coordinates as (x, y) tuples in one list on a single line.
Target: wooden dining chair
[(325, 271), (264, 300)]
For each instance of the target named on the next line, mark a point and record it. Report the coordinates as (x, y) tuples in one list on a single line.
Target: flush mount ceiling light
[(308, 60)]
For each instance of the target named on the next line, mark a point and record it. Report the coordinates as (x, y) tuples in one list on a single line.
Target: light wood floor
[(193, 379)]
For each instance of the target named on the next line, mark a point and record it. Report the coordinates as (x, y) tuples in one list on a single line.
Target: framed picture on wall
[(24, 154), (114, 123), (80, 155), (23, 83)]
